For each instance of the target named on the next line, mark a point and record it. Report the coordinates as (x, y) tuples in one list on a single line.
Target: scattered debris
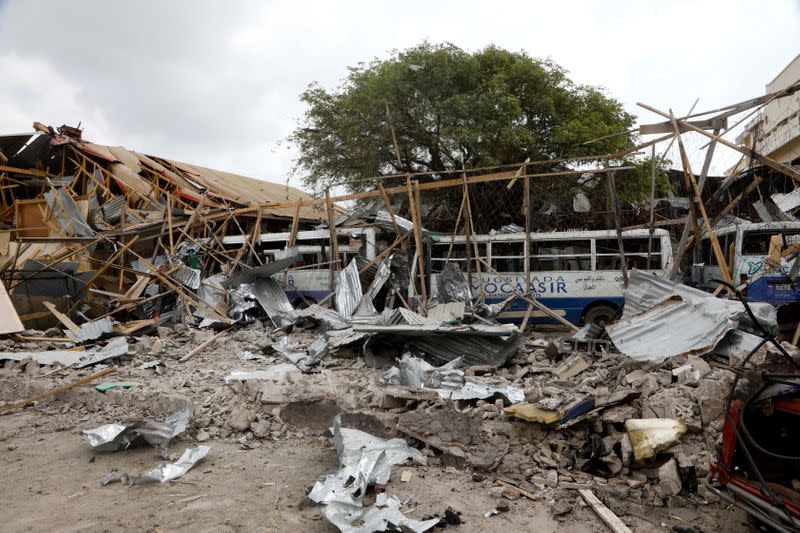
[(366, 461)]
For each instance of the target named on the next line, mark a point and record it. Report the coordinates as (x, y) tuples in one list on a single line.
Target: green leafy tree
[(447, 107)]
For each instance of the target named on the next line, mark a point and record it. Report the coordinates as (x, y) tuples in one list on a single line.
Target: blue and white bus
[(308, 281), (750, 244), (574, 273)]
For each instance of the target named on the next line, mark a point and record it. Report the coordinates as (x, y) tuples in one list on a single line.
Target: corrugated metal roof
[(127, 157), (130, 179), (250, 191)]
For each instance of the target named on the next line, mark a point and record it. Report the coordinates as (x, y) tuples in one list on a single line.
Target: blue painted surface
[(772, 289), (573, 307)]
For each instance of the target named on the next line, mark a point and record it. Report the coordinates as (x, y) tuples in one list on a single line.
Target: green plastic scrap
[(108, 385)]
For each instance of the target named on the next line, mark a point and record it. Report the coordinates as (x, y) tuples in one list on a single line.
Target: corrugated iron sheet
[(130, 180)]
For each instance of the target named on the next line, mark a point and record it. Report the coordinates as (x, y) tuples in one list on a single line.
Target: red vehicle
[(758, 469)]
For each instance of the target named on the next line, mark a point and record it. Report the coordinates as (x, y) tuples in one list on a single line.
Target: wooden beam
[(753, 185), (606, 515), (713, 123), (764, 160), (64, 319), (441, 184), (526, 249), (685, 234), (416, 213), (687, 169), (612, 194), (540, 306), (28, 172), (333, 248)]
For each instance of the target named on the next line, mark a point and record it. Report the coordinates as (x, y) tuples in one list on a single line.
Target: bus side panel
[(568, 293), (311, 284)]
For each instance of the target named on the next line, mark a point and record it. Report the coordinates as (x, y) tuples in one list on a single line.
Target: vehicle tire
[(600, 315)]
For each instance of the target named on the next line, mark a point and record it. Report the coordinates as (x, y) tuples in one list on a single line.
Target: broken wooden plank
[(64, 319), (606, 515)]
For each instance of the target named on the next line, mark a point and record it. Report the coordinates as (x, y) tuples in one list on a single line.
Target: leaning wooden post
[(652, 205), (416, 215), (698, 200), (333, 249), (471, 235), (612, 193), (526, 208), (682, 248)]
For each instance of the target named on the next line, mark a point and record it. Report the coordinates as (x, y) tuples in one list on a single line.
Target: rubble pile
[(541, 418), (154, 302)]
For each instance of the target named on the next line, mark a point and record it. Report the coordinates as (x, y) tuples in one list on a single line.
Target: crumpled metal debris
[(94, 329), (366, 460), (115, 437), (242, 298), (330, 318), (264, 271), (246, 355), (66, 213), (169, 471), (384, 515), (188, 276), (508, 228), (662, 319), (366, 306), (348, 290), (272, 298), (474, 346), (158, 366), (452, 284), (213, 294), (116, 347), (446, 381), (580, 203), (307, 359)]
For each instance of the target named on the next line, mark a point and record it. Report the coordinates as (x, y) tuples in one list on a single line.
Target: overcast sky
[(217, 83)]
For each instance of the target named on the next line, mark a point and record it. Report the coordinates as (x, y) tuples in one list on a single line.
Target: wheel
[(600, 315)]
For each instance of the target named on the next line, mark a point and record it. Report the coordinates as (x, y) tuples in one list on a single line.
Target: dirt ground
[(51, 476), (51, 483)]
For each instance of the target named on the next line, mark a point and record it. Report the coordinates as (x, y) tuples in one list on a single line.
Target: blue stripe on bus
[(572, 306)]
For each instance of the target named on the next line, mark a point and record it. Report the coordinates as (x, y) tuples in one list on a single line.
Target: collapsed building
[(383, 317)]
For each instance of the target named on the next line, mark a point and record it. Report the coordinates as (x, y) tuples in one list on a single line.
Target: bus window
[(458, 254), (635, 248), (508, 256), (757, 242), (560, 255)]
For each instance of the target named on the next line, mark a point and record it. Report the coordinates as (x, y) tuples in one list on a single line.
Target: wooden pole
[(685, 235), (764, 160), (612, 193), (416, 212), (687, 169), (540, 306), (333, 248), (652, 204), (526, 250)]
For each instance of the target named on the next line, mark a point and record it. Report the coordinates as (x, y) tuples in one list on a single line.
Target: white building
[(775, 131)]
